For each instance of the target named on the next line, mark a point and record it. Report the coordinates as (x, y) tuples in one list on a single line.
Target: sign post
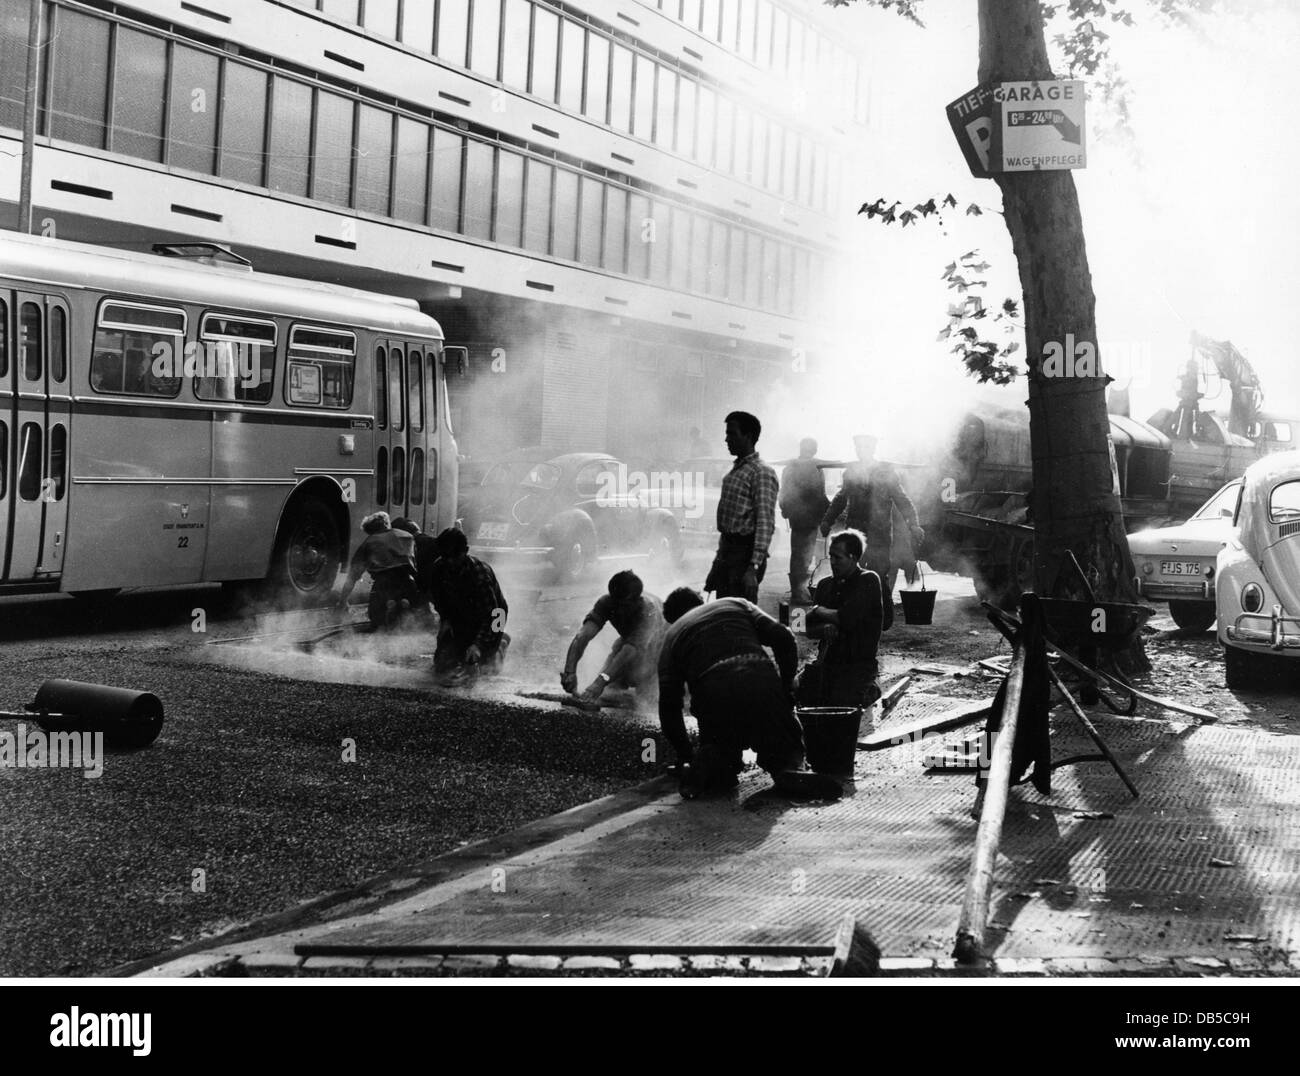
[(1039, 126)]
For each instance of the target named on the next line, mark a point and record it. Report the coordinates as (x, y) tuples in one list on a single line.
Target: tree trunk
[(1075, 498)]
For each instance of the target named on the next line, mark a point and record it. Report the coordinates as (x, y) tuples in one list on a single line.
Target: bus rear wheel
[(308, 552)]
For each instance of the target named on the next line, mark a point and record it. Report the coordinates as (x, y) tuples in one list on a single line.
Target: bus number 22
[(182, 541)]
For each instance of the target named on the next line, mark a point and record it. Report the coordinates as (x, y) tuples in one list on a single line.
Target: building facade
[(627, 210)]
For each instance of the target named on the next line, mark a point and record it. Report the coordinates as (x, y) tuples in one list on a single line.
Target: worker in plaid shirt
[(471, 610), (746, 514)]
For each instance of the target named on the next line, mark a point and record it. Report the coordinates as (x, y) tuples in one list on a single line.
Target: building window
[(566, 214), (572, 60), (726, 134), (537, 207), (410, 170), (546, 37), (686, 116), (660, 242), (417, 24), (453, 31), (13, 66), (344, 10), (243, 124), (640, 227), (381, 17), (447, 164), (192, 130), (290, 153), (615, 254), (510, 198), (515, 44), (79, 82), (485, 37), (374, 160), (591, 215), (476, 220), (595, 105), (620, 90), (332, 175), (139, 94), (680, 251), (643, 97), (665, 108)]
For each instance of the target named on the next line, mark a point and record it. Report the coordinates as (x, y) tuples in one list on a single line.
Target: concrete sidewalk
[(1201, 876)]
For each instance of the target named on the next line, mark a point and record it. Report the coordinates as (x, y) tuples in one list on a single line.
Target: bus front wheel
[(308, 552)]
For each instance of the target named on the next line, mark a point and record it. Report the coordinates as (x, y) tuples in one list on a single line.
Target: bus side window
[(138, 349), (29, 461), (381, 389), (417, 476), (4, 343), (29, 341), (395, 395), (434, 362), (4, 455), (381, 476), (236, 359), (415, 386), (58, 344), (58, 460), (321, 364)]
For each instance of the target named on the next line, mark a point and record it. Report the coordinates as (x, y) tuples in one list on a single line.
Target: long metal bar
[(30, 105), (969, 948), (562, 949), (1092, 732)]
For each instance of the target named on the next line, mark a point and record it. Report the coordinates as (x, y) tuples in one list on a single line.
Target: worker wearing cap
[(471, 610), (746, 514)]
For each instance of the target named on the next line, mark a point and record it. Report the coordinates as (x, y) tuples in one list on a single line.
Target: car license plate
[(493, 532), (1180, 567)]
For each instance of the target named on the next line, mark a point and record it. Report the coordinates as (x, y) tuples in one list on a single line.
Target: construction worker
[(471, 610), (847, 619), (803, 503), (868, 497), (389, 556), (746, 514), (738, 696), (633, 662)]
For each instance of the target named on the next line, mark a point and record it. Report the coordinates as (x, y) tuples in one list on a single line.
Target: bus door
[(391, 457), (34, 410), (417, 442)]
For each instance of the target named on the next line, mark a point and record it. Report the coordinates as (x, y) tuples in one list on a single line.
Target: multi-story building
[(626, 209)]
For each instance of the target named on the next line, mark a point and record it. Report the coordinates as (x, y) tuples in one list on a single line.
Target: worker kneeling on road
[(634, 661), (389, 556), (847, 619), (738, 697), (471, 611)]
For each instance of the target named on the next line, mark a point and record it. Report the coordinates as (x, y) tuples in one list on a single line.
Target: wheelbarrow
[(128, 719)]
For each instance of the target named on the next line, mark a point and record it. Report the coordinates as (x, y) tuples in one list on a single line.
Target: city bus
[(177, 418)]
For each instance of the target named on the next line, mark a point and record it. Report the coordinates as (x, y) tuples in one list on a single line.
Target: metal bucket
[(918, 605), (830, 737), (126, 718)]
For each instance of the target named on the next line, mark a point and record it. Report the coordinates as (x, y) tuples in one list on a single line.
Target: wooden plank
[(911, 731)]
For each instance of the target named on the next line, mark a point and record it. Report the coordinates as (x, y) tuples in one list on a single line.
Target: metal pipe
[(969, 948), (30, 105)]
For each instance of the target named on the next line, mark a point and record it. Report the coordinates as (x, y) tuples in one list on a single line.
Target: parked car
[(478, 475), (1258, 573), (572, 510), (1178, 563)]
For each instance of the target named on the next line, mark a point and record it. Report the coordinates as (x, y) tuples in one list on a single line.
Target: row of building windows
[(127, 91), (531, 48)]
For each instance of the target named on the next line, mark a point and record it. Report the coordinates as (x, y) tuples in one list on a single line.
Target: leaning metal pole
[(969, 948), (30, 105)]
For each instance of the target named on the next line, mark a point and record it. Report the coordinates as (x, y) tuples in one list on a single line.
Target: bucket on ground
[(126, 718), (830, 737), (918, 605)]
